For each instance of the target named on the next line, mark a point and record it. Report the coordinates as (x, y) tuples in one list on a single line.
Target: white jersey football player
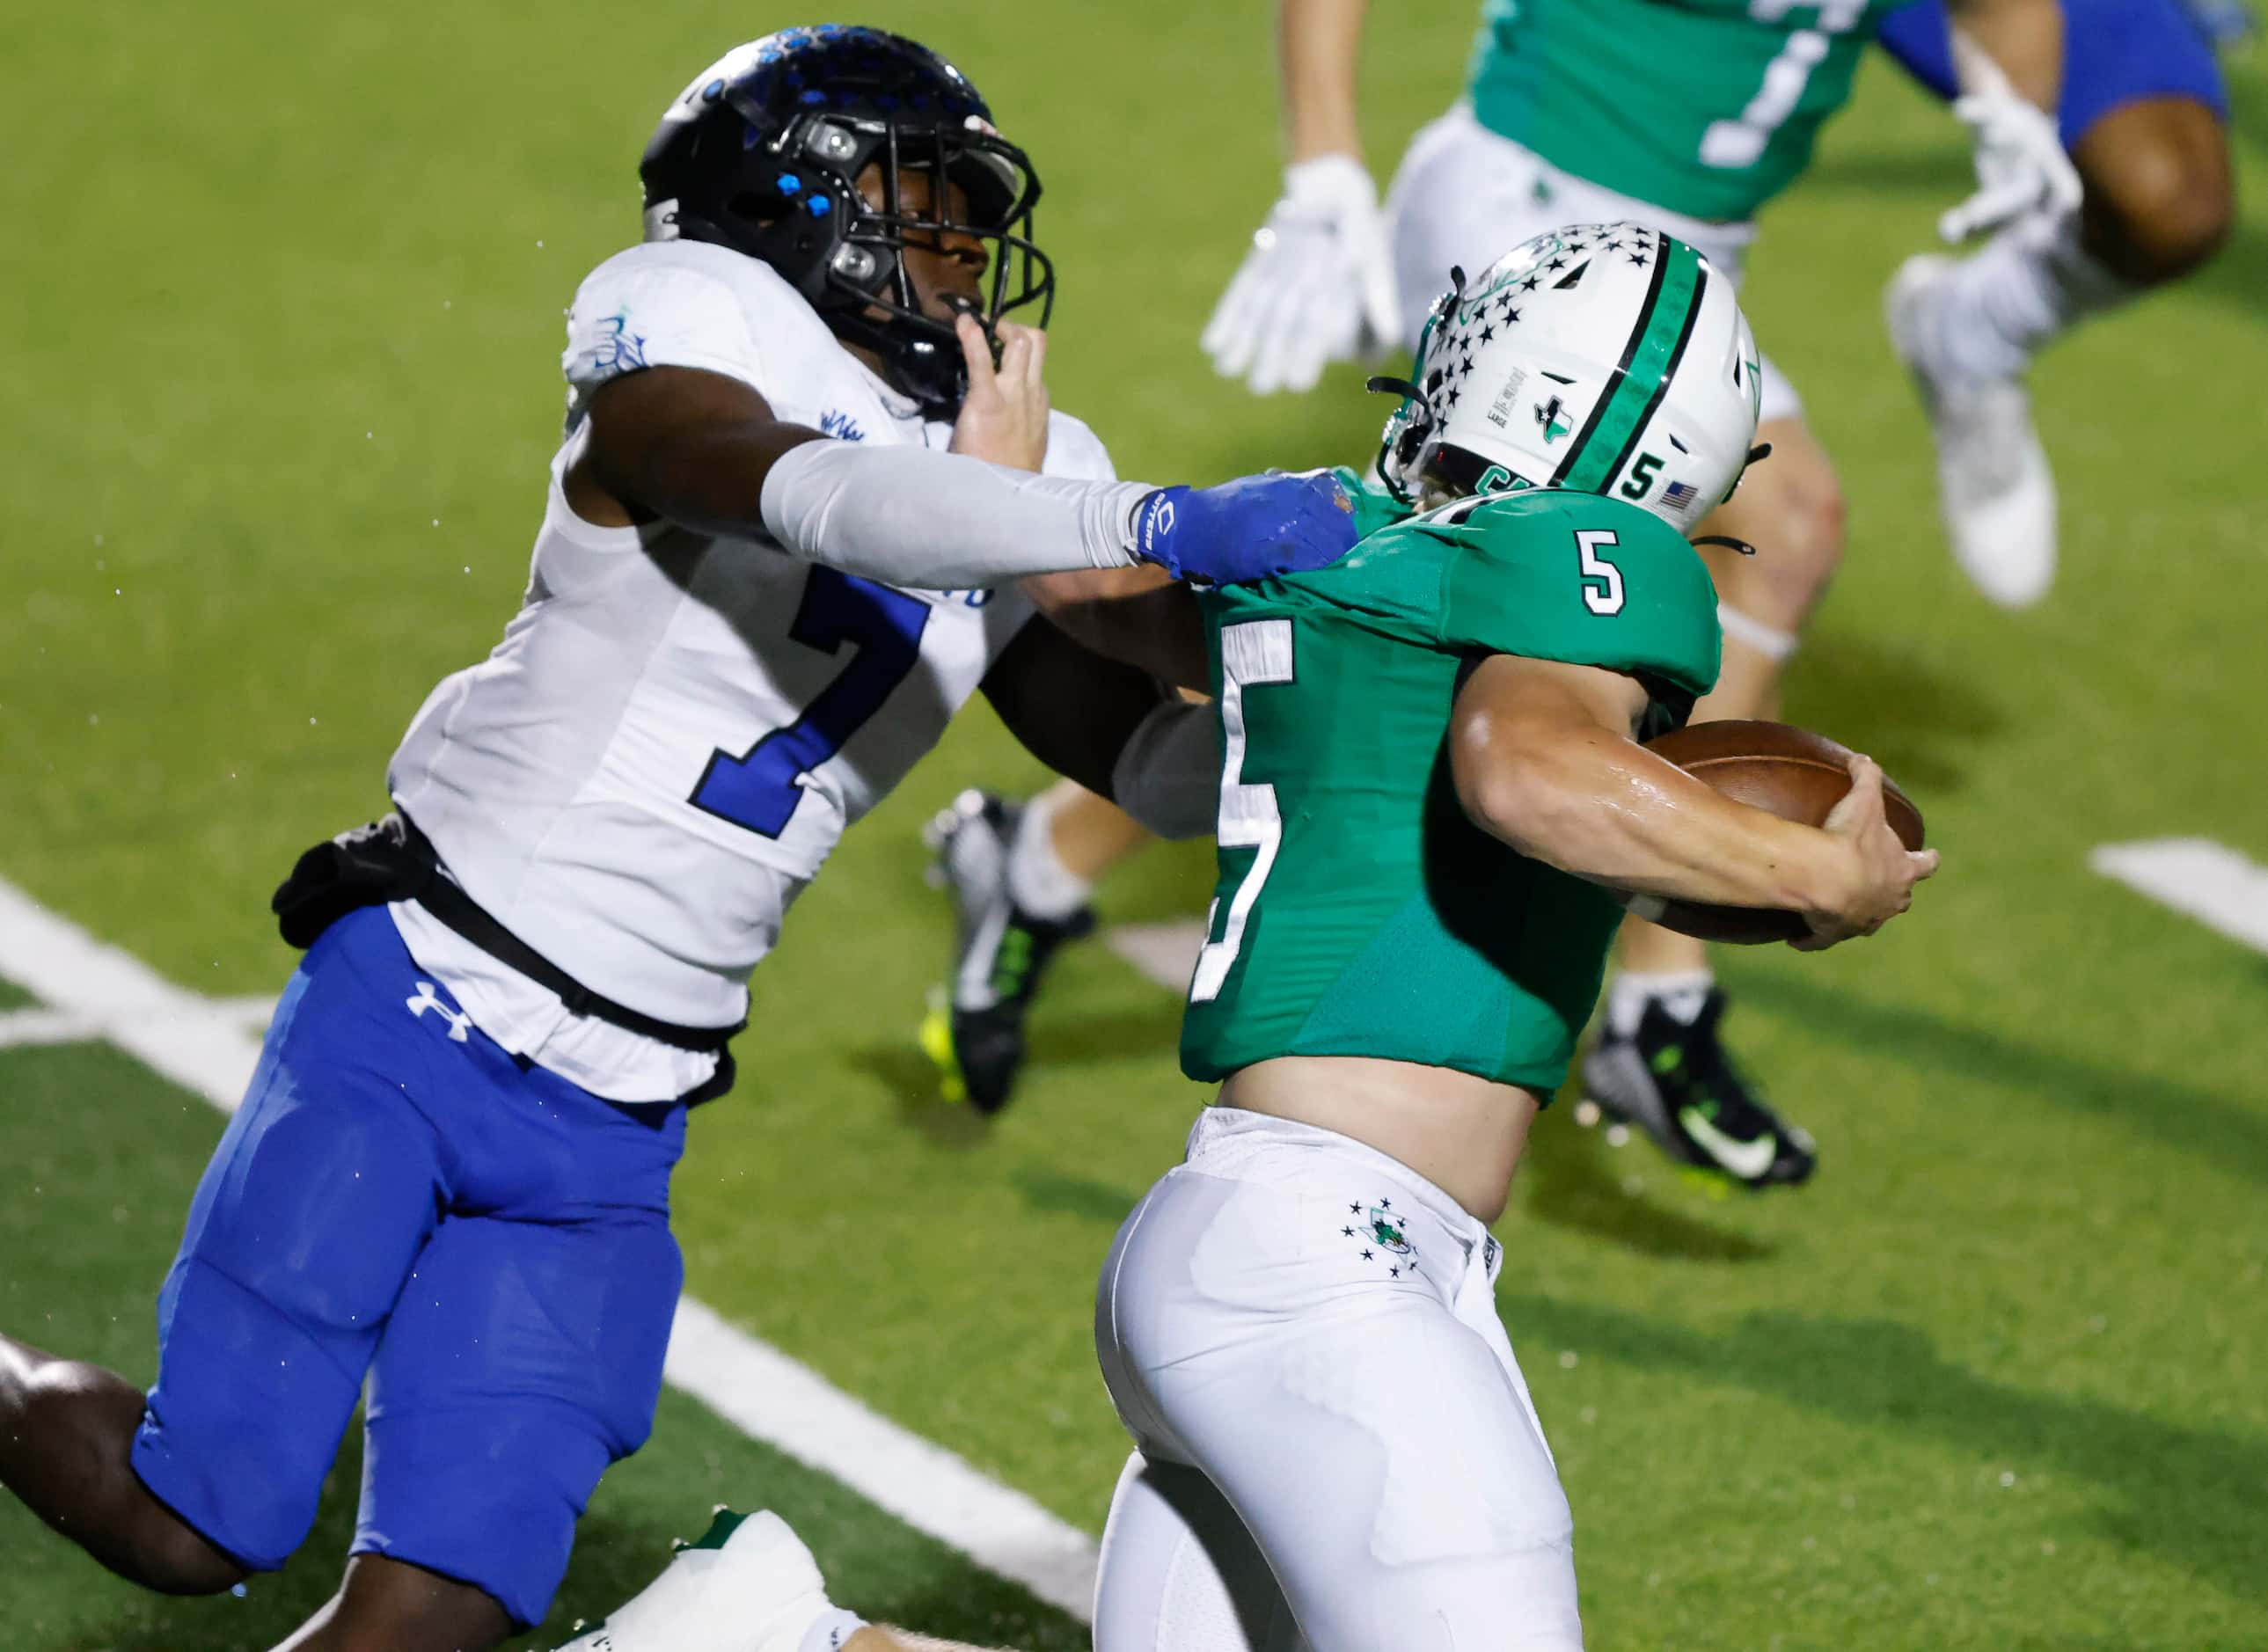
[(773, 562)]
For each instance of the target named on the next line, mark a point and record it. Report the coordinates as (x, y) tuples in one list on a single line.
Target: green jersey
[(1704, 107), (1358, 912)]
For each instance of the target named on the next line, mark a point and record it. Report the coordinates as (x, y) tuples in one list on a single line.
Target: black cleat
[(976, 1035), (1676, 1084)]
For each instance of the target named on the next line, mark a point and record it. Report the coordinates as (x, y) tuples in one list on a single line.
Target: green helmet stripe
[(1665, 321), (1662, 386)]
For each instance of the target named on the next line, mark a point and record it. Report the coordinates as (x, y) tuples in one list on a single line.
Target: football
[(1796, 775)]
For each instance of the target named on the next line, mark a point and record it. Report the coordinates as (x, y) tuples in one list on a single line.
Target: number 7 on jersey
[(1252, 654)]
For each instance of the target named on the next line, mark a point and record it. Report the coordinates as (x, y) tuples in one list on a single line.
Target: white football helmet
[(1606, 358)]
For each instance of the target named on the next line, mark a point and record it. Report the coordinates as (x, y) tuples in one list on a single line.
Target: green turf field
[(287, 284)]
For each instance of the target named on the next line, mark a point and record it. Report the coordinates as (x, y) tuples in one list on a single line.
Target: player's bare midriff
[(1462, 1133)]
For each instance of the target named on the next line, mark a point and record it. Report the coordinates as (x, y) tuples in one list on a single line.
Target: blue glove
[(1254, 527)]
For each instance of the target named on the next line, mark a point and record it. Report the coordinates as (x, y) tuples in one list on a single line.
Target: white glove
[(2022, 169), (1316, 287)]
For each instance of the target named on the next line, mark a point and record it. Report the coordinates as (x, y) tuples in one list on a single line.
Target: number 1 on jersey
[(1253, 653), (759, 789), (1738, 143)]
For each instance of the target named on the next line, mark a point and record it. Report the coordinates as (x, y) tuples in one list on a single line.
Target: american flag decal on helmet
[(1679, 495)]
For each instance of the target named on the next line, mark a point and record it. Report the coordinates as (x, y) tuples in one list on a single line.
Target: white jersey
[(677, 729)]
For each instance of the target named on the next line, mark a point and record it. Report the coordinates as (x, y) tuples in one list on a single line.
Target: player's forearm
[(706, 477), (1320, 44), (908, 516), (2021, 38), (1603, 808), (1103, 724), (1142, 616)]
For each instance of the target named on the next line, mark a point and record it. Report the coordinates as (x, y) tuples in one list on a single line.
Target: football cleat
[(1994, 486), (747, 1583), (1676, 1083), (975, 1033)]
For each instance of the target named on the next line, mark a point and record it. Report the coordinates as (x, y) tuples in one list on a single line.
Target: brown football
[(1796, 775)]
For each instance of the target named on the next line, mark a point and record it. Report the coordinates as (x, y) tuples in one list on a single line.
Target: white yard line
[(251, 1014), (2208, 881), (1165, 953), (790, 1406), (19, 1027), (211, 1046)]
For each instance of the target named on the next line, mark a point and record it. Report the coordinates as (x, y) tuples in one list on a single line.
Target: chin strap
[(1762, 449)]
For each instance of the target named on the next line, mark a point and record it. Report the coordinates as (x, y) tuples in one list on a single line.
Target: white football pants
[(1464, 195), (1337, 1449)]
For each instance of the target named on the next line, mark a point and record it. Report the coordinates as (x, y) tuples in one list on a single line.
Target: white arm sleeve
[(910, 515), (1168, 776)]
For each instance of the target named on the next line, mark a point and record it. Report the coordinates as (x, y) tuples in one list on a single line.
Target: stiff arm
[(705, 450)]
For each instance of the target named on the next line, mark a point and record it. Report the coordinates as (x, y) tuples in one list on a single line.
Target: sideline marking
[(205, 1048), (2208, 881), (22, 1027)]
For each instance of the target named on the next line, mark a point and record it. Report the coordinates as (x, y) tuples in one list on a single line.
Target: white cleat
[(1994, 486), (748, 1585)]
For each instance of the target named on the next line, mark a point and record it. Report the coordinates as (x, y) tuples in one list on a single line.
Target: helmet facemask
[(868, 298), (1411, 423)]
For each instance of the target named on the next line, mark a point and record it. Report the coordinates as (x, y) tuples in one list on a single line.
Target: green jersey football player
[(1432, 800)]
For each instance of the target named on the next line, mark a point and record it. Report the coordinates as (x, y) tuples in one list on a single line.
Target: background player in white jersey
[(451, 1172)]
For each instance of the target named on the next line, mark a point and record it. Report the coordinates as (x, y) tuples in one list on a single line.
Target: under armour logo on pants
[(460, 1025)]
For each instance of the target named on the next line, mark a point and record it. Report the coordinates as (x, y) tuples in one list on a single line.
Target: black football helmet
[(762, 154)]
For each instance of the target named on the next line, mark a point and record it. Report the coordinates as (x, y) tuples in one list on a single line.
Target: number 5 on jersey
[(1252, 653), (1606, 595)]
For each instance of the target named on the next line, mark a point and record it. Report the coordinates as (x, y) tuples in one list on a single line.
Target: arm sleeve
[(908, 516), (1168, 776), (1586, 584)]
